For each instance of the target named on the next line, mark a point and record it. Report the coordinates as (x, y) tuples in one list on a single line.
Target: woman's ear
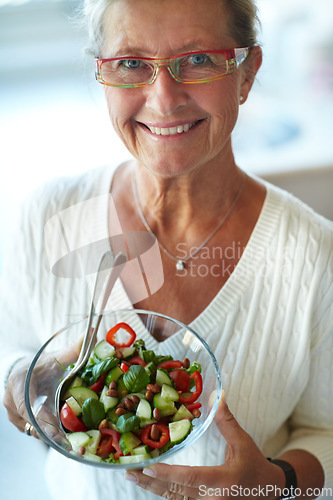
[(250, 69)]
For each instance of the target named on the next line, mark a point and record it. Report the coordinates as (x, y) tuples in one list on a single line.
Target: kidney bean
[(196, 413), (154, 388), (186, 363), (156, 414), (112, 393), (135, 399), (154, 433), (128, 404), (120, 411), (103, 424), (113, 385), (81, 451), (149, 396)]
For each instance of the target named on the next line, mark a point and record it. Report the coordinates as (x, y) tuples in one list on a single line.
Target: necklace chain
[(180, 263)]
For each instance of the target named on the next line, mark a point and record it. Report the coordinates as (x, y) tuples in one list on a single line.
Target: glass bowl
[(162, 334)]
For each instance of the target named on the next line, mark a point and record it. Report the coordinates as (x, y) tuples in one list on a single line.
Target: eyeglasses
[(192, 67)]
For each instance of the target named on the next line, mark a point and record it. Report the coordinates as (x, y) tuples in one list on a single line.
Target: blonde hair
[(243, 22)]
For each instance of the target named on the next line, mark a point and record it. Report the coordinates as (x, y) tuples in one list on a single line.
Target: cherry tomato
[(69, 420), (99, 384), (181, 379)]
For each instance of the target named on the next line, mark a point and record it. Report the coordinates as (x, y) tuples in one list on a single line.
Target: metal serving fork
[(116, 266)]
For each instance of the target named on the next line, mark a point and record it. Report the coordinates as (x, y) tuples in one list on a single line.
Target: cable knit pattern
[(270, 327)]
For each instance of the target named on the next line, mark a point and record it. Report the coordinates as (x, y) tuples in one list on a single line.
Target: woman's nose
[(165, 95)]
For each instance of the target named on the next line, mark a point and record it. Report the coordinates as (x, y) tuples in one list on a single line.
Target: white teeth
[(172, 130)]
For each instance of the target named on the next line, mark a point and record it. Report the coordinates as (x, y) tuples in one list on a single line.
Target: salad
[(129, 404)]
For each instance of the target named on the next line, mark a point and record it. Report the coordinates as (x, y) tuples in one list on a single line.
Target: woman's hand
[(46, 370), (14, 396), (245, 467)]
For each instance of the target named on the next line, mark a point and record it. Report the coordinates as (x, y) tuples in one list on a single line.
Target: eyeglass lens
[(188, 68)]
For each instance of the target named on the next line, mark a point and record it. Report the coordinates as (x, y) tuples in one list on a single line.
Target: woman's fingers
[(165, 489), (163, 479), (229, 427), (14, 401)]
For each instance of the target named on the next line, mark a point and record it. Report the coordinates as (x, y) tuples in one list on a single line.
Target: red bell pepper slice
[(124, 367), (170, 365), (111, 335), (99, 384), (109, 443), (136, 360), (196, 393), (163, 439), (70, 421), (194, 406)]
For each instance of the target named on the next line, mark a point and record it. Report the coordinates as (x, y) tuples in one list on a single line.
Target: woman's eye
[(199, 59), (131, 63)]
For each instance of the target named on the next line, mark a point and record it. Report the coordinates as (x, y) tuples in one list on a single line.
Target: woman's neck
[(190, 203)]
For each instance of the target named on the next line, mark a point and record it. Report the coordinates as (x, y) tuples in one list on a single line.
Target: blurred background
[(53, 122)]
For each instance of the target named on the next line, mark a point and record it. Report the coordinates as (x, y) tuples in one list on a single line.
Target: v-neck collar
[(231, 292)]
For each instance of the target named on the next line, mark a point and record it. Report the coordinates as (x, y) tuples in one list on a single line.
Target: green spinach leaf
[(92, 372), (128, 422), (93, 413), (136, 378)]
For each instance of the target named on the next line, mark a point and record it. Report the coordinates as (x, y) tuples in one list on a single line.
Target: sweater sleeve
[(312, 420), (17, 330)]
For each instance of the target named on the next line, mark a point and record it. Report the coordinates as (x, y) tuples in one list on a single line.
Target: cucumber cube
[(108, 401), (104, 350), (162, 377), (128, 441), (95, 437), (163, 404), (181, 413), (74, 405), (78, 439), (179, 430), (169, 393), (81, 394), (113, 374), (127, 352), (91, 457), (144, 409), (132, 459), (171, 410), (150, 368), (140, 450)]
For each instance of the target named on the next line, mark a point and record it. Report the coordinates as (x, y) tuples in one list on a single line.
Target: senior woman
[(247, 265)]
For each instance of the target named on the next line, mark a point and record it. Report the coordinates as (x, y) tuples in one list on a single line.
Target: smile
[(180, 129)]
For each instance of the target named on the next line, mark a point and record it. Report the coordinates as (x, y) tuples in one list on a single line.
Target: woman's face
[(161, 29)]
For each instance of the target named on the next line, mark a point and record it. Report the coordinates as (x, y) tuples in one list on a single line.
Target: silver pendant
[(180, 266)]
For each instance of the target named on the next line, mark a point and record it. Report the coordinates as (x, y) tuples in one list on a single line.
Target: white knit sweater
[(270, 327)]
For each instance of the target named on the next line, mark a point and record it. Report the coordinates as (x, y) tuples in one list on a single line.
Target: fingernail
[(131, 477), (149, 472)]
